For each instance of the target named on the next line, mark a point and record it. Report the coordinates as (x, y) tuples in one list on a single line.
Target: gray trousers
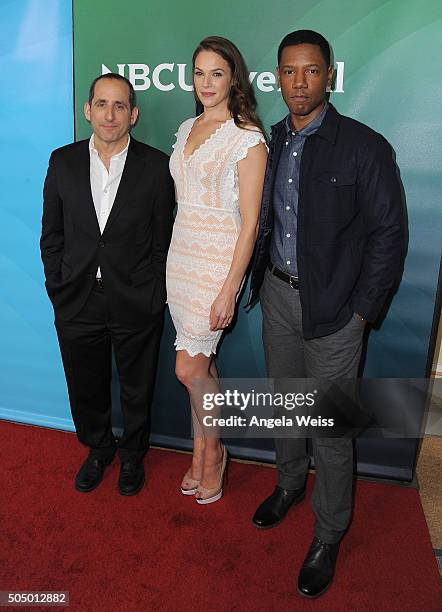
[(289, 355)]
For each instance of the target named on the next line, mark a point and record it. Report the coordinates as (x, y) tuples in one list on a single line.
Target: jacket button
[(333, 179), (101, 243)]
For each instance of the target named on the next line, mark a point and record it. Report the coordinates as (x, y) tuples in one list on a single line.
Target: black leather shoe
[(131, 478), (273, 509), (318, 569), (90, 475)]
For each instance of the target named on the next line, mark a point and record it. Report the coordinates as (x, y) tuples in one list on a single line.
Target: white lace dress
[(206, 229)]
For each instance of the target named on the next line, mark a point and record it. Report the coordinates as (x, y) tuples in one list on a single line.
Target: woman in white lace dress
[(218, 165)]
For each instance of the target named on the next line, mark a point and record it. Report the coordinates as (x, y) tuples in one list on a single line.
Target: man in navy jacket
[(329, 252)]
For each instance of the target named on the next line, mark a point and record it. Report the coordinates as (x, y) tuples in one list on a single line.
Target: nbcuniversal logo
[(166, 77)]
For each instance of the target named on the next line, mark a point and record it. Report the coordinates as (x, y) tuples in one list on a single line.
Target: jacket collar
[(326, 130), (133, 170)]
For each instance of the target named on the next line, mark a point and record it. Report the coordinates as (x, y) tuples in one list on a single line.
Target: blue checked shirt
[(286, 193)]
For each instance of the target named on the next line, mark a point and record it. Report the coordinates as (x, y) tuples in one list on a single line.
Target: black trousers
[(86, 344)]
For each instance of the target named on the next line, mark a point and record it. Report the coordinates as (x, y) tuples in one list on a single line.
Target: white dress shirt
[(104, 184)]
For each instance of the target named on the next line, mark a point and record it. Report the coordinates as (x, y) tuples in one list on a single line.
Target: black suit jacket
[(132, 250)]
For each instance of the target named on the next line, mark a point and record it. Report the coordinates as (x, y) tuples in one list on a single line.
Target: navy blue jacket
[(351, 235)]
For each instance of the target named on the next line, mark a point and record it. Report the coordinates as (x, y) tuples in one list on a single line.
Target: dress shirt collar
[(93, 150), (311, 127)]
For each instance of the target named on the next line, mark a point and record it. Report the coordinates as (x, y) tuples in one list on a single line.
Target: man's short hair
[(305, 36), (117, 77)]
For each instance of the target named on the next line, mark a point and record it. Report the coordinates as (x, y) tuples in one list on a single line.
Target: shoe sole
[(269, 526), (134, 492), (317, 595), (80, 490), (298, 501), (189, 491), (209, 500), (90, 489)]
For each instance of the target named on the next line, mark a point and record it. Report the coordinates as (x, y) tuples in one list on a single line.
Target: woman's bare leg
[(196, 470), (199, 375)]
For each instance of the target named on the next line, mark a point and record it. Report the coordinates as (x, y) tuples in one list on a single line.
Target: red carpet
[(160, 550)]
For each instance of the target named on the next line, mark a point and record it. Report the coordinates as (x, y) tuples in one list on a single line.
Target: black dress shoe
[(318, 569), (273, 509), (90, 475), (131, 478)]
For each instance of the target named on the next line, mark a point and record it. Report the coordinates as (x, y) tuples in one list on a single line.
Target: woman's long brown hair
[(242, 101)]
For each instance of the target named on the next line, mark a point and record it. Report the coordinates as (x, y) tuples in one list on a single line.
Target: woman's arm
[(251, 172)]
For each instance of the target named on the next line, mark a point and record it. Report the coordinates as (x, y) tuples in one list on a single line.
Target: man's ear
[(134, 115), (330, 73), (87, 110)]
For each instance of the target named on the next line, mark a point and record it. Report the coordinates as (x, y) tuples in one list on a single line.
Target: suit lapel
[(84, 186), (133, 169)]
